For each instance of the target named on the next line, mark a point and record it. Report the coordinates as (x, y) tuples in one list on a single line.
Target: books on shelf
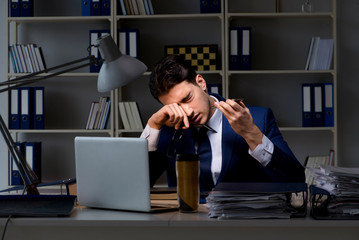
[(135, 7), (130, 116), (320, 54), (26, 58), (99, 114)]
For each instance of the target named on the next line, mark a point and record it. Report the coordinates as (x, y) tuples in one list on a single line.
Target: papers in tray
[(335, 193), (257, 200)]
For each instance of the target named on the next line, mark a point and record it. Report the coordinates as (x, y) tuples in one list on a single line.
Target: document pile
[(335, 193), (258, 200)]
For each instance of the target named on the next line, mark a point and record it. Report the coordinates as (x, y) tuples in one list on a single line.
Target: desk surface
[(90, 223)]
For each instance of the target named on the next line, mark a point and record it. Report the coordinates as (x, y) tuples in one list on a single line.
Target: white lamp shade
[(117, 70)]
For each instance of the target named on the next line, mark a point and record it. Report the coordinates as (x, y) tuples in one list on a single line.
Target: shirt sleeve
[(263, 152), (152, 135)]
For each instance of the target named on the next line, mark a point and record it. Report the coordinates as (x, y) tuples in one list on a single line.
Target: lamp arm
[(27, 174)]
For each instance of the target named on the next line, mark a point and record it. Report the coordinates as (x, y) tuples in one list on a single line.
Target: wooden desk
[(87, 223)]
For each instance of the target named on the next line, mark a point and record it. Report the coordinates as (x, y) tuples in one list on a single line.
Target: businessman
[(244, 143)]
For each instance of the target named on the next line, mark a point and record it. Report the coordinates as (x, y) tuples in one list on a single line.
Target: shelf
[(60, 19), (306, 129), (281, 15), (169, 16), (248, 72), (45, 131), (84, 74)]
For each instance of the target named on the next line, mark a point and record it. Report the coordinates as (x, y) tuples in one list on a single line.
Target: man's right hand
[(171, 115)]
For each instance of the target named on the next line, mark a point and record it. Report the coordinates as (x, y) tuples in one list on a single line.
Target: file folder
[(307, 98), (106, 8), (94, 35), (95, 8), (133, 42), (245, 57), (214, 88), (14, 108), (32, 153), (27, 8), (39, 122), (15, 177), (86, 7), (318, 115), (26, 108), (234, 48), (328, 105), (15, 8)]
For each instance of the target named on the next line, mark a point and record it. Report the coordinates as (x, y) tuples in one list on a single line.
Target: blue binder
[(318, 114), (307, 105), (94, 34), (245, 55), (27, 8), (106, 8), (234, 48), (14, 8), (32, 153), (14, 108), (26, 113), (86, 7), (95, 8), (328, 105), (132, 36), (122, 41), (204, 6), (15, 177), (214, 88), (215, 6), (39, 121)]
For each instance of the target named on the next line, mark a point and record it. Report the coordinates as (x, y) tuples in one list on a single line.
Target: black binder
[(321, 200)]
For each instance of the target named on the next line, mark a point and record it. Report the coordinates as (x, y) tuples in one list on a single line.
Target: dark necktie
[(205, 156)]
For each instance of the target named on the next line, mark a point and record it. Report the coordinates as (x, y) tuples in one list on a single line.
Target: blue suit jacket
[(237, 164)]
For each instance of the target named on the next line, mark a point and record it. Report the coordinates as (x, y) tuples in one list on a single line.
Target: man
[(245, 142)]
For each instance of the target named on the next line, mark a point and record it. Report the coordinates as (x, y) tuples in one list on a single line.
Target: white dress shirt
[(262, 153)]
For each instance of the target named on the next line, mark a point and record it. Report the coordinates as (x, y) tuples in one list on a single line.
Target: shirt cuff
[(152, 135), (263, 152)]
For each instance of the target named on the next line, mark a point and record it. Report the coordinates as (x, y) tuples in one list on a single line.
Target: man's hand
[(240, 119), (171, 115)]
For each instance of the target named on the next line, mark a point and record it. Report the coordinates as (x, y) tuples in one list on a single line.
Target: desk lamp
[(116, 71)]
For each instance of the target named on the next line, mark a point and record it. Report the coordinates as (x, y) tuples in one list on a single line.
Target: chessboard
[(202, 57)]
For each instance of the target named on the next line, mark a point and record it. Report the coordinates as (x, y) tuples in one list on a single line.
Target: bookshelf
[(177, 22)]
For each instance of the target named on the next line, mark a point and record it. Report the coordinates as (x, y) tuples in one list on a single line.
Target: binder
[(93, 36), (122, 41), (124, 118), (86, 7), (95, 8), (328, 105), (15, 177), (32, 153), (26, 113), (39, 122), (318, 114), (215, 6), (214, 88), (204, 6), (132, 42), (245, 57), (15, 8), (27, 8), (234, 48), (14, 108), (106, 8), (307, 99)]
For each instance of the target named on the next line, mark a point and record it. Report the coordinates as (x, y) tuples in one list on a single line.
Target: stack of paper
[(256, 200), (342, 184)]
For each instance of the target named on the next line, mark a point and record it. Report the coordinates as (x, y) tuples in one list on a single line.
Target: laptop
[(113, 173)]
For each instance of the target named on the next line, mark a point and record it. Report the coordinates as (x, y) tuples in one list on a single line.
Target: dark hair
[(169, 72)]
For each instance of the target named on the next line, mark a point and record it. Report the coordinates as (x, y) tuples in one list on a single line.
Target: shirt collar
[(216, 119)]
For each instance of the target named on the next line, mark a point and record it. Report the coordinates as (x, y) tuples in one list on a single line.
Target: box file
[(14, 108), (234, 48), (15, 8), (27, 8), (95, 8), (328, 105), (39, 121), (86, 7), (26, 113), (245, 56)]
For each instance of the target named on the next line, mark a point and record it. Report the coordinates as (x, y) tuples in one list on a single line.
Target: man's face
[(193, 99)]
